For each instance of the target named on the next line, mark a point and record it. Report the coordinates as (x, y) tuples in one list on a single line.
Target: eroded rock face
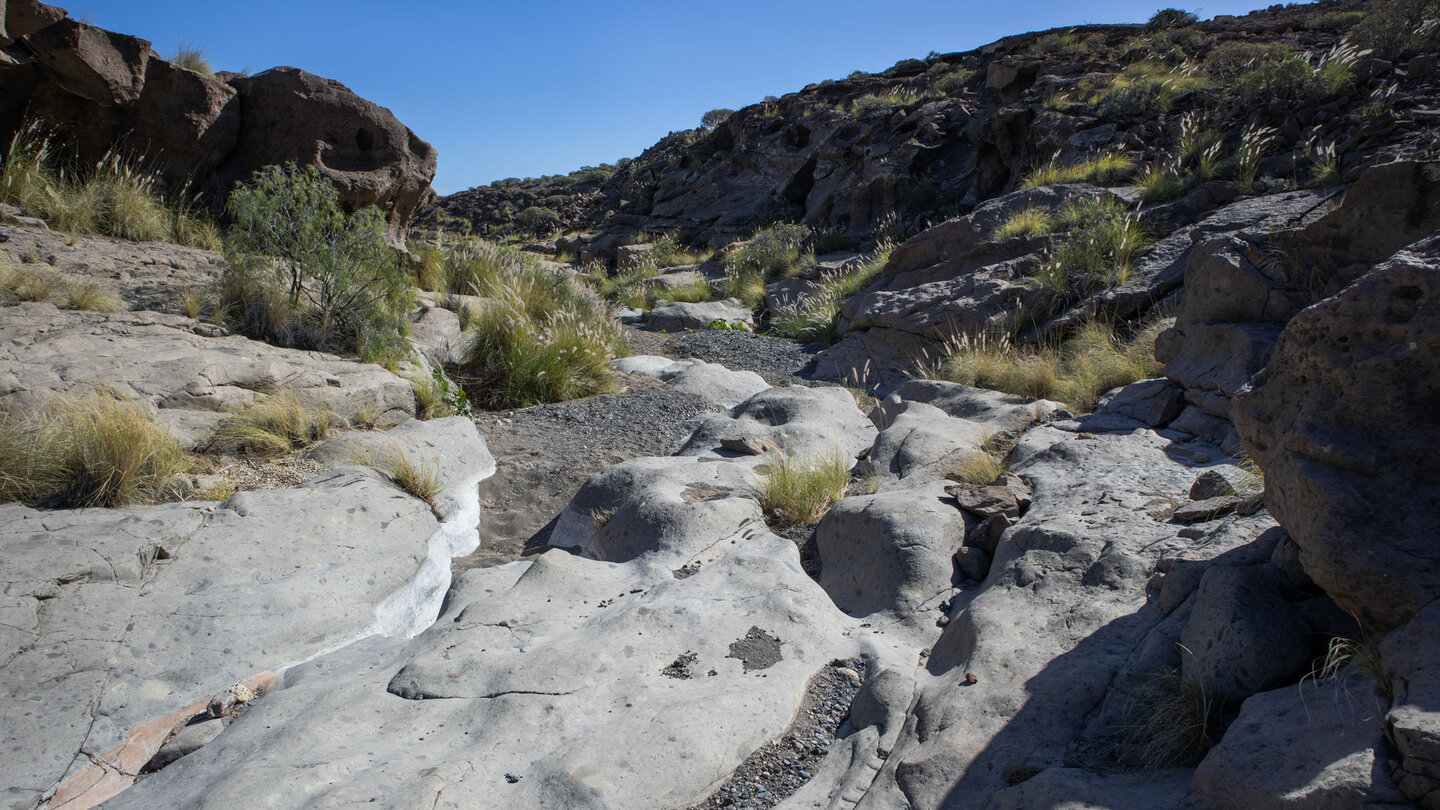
[(104, 91), (1342, 421)]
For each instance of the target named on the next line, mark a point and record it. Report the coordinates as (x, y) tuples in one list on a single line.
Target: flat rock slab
[(114, 619), (192, 381), (709, 381), (677, 316)]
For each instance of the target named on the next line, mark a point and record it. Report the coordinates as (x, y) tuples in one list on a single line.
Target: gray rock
[(708, 380), (435, 333), (1220, 482), (191, 381), (890, 552), (1317, 745), (1242, 637), (1152, 402), (1342, 422), (187, 741), (802, 421), (677, 317), (1206, 510), (984, 501), (1076, 789), (132, 616)]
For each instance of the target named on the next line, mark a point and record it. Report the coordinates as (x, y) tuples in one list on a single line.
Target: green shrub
[(799, 491), (715, 118), (436, 397), (1099, 246), (1395, 27), (1171, 18), (771, 251), (93, 450), (302, 273), (1148, 87), (1234, 58), (952, 82), (538, 219), (816, 316), (1293, 79)]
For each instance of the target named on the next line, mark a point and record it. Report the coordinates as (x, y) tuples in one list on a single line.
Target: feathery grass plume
[(1031, 221), (1360, 655), (92, 450), (1162, 182), (1255, 141), (799, 491), (91, 297), (277, 425), (1102, 168), (427, 264), (1323, 165), (815, 317), (25, 174)]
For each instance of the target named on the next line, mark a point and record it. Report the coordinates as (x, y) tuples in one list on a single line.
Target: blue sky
[(521, 89)]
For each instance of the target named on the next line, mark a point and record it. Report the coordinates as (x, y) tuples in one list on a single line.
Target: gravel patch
[(779, 360), (776, 770), (291, 471), (543, 454)]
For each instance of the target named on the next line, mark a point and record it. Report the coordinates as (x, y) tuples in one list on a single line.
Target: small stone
[(1206, 510), (512, 778)]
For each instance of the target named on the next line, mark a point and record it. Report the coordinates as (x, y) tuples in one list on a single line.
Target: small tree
[(538, 219), (304, 273), (1171, 18), (715, 118)]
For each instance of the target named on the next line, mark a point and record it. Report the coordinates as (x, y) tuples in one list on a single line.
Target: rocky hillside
[(933, 137), (100, 92)]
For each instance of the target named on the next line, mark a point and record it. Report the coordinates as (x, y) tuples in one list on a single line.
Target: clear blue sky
[(532, 87)]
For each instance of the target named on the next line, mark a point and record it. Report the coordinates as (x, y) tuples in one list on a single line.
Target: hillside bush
[(715, 118), (538, 219), (1395, 27), (301, 272), (1171, 18)]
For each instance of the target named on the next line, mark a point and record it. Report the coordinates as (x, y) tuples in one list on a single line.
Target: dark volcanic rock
[(1344, 422)]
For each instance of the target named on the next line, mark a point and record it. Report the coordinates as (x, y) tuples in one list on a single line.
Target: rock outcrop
[(1342, 420), (104, 92)]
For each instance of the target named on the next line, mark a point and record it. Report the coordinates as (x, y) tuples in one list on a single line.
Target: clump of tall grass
[(815, 317), (277, 425), (1102, 168), (116, 197), (416, 477), (772, 251), (1087, 364), (1031, 221), (27, 283), (1172, 724), (799, 491), (92, 450), (1097, 252), (192, 58), (1295, 78), (981, 468), (542, 338), (1255, 141), (668, 252), (878, 102), (88, 296)]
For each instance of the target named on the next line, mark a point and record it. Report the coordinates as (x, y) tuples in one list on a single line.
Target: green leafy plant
[(301, 272), (437, 397)]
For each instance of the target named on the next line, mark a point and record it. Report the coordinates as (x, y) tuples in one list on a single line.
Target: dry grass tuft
[(800, 491), (92, 298), (93, 450), (982, 468), (275, 426), (1174, 724)]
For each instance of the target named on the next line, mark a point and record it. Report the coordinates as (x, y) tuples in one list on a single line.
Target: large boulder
[(1342, 421), (373, 159), (102, 92)]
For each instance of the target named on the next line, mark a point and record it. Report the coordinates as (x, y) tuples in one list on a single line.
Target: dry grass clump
[(1103, 168), (543, 338), (192, 58), (1089, 363), (277, 425), (1173, 725), (91, 297), (982, 468), (27, 283), (116, 197), (92, 450), (800, 491), (417, 477)]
